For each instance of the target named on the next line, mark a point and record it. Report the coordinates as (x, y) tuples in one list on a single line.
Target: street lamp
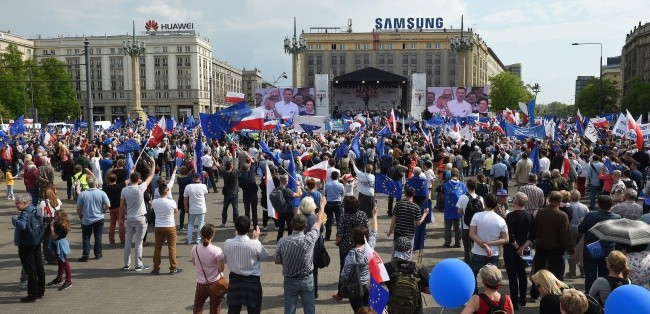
[(135, 48), (295, 46), (211, 111), (462, 45), (535, 89), (600, 69)]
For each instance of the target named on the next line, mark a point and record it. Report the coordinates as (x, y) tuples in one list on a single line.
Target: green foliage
[(507, 90), (53, 94), (637, 96), (589, 98), (555, 108)]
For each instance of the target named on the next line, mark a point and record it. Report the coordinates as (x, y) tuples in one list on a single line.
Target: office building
[(635, 55), (581, 82), (25, 46), (514, 69)]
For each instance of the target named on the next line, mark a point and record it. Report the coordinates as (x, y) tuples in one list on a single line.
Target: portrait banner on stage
[(322, 89), (461, 101), (287, 101), (418, 94)]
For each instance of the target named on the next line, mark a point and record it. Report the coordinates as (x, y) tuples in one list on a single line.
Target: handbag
[(595, 250), (220, 286), (322, 258)]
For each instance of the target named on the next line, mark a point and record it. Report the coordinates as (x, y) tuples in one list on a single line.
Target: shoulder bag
[(219, 287)]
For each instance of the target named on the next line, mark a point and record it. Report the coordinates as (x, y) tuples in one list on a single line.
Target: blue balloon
[(452, 283), (628, 299)]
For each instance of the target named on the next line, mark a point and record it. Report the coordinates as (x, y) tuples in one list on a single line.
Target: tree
[(507, 90), (61, 98), (12, 80), (589, 98), (555, 108), (637, 96)]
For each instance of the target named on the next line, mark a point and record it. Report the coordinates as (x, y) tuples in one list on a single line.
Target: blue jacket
[(20, 222)]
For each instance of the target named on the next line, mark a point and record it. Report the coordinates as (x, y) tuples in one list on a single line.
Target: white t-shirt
[(459, 109), (206, 161), (286, 110), (544, 164), (463, 200), (164, 209), (437, 111), (489, 226), (196, 193), (431, 176)]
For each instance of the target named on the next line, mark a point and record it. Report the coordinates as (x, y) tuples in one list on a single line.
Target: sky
[(249, 33)]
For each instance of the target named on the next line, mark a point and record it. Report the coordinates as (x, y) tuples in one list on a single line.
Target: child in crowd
[(9, 179)]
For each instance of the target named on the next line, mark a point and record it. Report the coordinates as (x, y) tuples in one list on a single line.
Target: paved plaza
[(101, 286)]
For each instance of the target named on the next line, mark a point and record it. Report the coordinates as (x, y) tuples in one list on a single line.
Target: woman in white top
[(208, 260), (48, 207), (97, 170)]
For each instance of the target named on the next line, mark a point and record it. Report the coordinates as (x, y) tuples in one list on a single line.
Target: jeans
[(455, 223), (593, 268), (284, 219), (232, 200), (594, 191), (299, 287), (10, 192), (476, 167), (332, 209), (169, 166), (34, 193), (97, 229), (116, 222), (68, 184), (516, 270), (181, 210), (162, 234), (478, 261), (32, 260), (135, 227), (190, 227), (467, 246), (250, 208)]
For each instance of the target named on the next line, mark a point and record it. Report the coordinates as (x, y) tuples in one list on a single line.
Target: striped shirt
[(243, 255), (535, 197), (296, 253), (406, 214)]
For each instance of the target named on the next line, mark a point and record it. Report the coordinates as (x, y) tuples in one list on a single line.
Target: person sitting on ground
[(491, 279)]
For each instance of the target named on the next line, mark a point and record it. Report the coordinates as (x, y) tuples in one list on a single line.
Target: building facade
[(514, 69), (25, 46), (251, 81), (402, 52), (175, 73), (635, 55)]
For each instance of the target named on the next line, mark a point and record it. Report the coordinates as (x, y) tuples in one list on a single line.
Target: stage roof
[(370, 75)]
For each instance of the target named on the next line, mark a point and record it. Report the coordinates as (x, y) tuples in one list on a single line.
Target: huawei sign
[(151, 25)]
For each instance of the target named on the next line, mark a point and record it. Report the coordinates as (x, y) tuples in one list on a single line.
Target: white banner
[(322, 88), (418, 94), (591, 133), (620, 128), (645, 129)]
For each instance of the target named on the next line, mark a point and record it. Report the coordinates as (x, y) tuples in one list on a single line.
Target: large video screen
[(286, 102), (366, 97), (458, 101)]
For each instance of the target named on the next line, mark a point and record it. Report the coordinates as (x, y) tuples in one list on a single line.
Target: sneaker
[(457, 245), (176, 271), (155, 272), (126, 267), (143, 267), (570, 276), (22, 284), (222, 225), (97, 257), (54, 282), (66, 285)]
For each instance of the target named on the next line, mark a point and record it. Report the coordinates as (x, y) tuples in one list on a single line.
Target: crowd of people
[(495, 204)]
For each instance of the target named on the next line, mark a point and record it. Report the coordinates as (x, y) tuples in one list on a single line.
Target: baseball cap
[(490, 275), (502, 192), (299, 221)]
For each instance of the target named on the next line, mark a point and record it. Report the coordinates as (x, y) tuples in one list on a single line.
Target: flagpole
[(140, 155)]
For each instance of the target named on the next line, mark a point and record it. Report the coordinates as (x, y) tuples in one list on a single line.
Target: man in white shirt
[(194, 198), (463, 200), (489, 232), (331, 163), (164, 207), (286, 107), (459, 107), (244, 256), (208, 162), (132, 204), (544, 162)]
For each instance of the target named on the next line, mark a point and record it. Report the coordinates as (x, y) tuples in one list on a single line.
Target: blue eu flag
[(386, 185), (378, 296), (128, 147)]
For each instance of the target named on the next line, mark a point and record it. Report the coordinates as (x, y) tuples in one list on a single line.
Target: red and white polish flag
[(318, 171)]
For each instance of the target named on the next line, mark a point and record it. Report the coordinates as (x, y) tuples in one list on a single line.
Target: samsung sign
[(408, 23)]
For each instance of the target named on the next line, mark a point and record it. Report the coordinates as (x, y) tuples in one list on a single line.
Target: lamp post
[(295, 46), (135, 48), (462, 45), (89, 99), (535, 89), (600, 79), (211, 111)]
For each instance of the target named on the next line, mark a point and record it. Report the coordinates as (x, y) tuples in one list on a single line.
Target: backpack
[(277, 200), (498, 309), (404, 294), (474, 206), (352, 287), (246, 180), (33, 233)]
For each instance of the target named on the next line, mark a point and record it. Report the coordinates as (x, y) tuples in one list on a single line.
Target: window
[(381, 59), (366, 59), (428, 46), (118, 110), (437, 70), (357, 46), (310, 60), (319, 60), (366, 46), (437, 46), (112, 51), (414, 59), (357, 58), (341, 46), (179, 48), (164, 49), (160, 110), (333, 46), (187, 48), (405, 59), (342, 60), (334, 60), (389, 59), (98, 51), (414, 45)]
